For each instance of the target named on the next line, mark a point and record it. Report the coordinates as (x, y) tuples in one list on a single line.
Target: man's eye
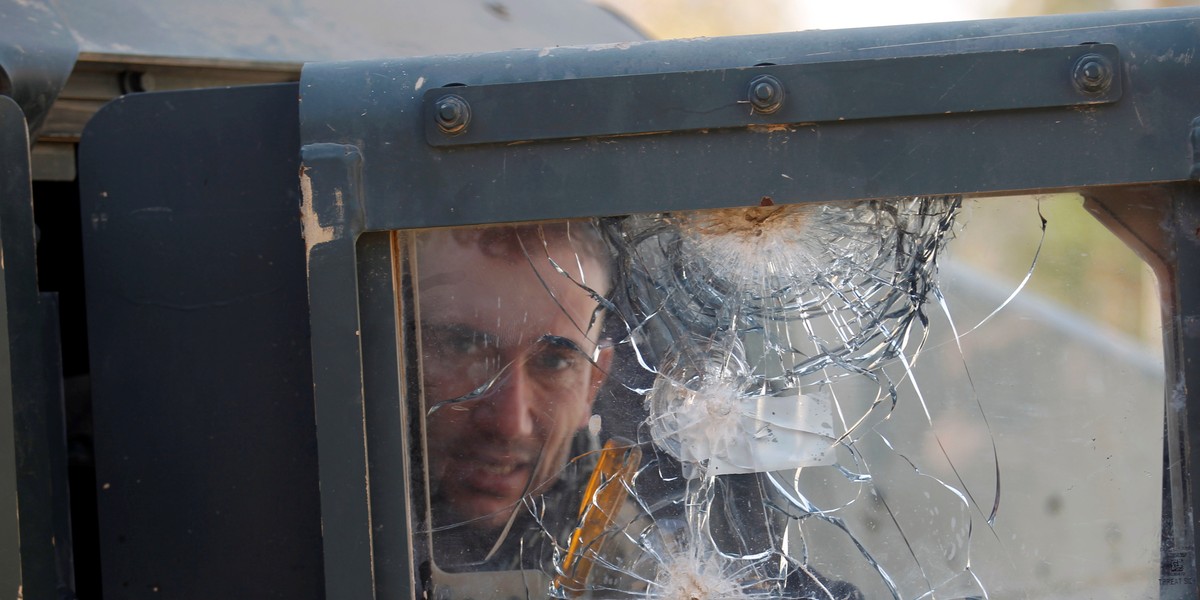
[(553, 361), (457, 361), (555, 353)]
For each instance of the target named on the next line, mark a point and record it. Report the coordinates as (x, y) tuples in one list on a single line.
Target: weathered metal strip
[(773, 95)]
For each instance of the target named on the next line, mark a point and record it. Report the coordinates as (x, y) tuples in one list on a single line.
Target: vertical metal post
[(1181, 325)]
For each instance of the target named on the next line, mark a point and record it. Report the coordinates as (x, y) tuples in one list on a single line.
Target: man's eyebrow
[(560, 342), (462, 331)]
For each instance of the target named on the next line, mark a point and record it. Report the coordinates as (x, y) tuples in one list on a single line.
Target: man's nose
[(508, 410)]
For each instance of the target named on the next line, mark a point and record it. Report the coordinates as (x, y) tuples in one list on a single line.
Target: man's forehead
[(572, 252)]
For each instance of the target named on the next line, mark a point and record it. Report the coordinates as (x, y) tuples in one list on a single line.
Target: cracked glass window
[(828, 401)]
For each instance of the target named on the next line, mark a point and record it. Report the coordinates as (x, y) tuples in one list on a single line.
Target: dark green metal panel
[(329, 180), (202, 389), (35, 370), (773, 95), (370, 167), (1182, 336), (1142, 138), (390, 511), (10, 533)]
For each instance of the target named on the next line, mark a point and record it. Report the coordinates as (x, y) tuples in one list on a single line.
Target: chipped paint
[(314, 233), (772, 128), (1182, 58)]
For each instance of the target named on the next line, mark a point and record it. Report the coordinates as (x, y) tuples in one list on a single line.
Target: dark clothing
[(540, 534)]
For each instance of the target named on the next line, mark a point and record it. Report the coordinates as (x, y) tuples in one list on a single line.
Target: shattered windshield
[(782, 401)]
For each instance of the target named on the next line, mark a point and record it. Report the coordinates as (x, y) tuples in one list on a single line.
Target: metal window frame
[(603, 130)]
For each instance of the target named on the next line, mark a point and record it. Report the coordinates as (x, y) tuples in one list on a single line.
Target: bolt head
[(765, 94), (449, 111), (452, 114), (1092, 74)]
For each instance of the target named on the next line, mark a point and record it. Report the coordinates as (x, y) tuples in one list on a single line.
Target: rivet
[(765, 94), (452, 114), (1092, 73)]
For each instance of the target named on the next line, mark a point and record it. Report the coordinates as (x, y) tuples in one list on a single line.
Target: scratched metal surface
[(1143, 138), (368, 168)]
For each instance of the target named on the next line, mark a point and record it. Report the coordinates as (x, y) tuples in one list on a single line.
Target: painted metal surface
[(369, 168), (307, 30), (772, 96), (33, 369), (10, 522), (36, 57), (1142, 138), (201, 385)]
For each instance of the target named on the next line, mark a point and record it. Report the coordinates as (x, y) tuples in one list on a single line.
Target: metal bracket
[(771, 95)]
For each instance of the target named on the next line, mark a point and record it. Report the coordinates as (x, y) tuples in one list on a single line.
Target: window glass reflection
[(812, 401)]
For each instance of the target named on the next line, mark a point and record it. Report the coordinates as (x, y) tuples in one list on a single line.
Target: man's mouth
[(495, 476), (498, 469)]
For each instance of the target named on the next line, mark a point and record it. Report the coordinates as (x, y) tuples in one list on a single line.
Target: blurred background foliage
[(1084, 268)]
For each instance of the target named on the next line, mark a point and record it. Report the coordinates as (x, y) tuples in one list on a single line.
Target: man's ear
[(599, 373)]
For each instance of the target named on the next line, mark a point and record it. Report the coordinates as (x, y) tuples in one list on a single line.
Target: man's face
[(507, 342)]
